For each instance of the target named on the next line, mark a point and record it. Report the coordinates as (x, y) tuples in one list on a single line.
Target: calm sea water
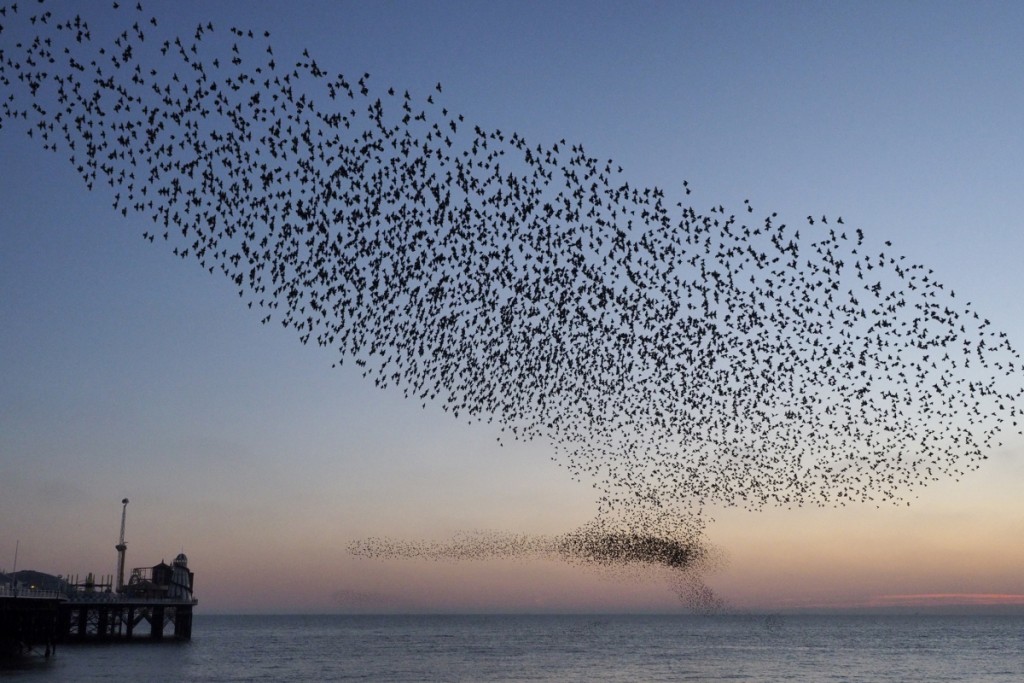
[(558, 648)]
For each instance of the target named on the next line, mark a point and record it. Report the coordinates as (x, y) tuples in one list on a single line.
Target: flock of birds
[(637, 542), (672, 356)]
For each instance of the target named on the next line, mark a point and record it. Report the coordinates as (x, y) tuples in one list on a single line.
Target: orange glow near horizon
[(943, 599)]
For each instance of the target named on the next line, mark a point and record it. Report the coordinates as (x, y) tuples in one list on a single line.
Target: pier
[(121, 618), (152, 599), (154, 603), (39, 610), (28, 621)]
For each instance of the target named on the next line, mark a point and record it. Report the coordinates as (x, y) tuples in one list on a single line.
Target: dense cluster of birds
[(671, 355), (637, 541)]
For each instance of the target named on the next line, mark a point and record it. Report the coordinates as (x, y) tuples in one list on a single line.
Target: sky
[(128, 372)]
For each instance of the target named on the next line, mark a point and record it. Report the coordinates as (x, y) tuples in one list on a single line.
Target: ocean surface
[(557, 648)]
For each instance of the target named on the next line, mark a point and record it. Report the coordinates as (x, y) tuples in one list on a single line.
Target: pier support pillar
[(156, 622), (183, 623), (103, 623)]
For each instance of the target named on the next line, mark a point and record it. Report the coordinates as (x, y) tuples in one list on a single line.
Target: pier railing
[(8, 591), (21, 592), (118, 598)]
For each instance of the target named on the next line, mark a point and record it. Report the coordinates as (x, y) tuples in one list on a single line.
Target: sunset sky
[(128, 372)]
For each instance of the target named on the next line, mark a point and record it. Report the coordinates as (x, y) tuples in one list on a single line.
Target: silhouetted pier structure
[(38, 610), (28, 620), (156, 603), (122, 618)]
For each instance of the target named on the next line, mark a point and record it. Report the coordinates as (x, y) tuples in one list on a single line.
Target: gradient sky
[(125, 371)]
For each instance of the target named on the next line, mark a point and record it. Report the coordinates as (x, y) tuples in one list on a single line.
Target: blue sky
[(128, 372)]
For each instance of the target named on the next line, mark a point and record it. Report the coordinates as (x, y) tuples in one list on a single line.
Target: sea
[(730, 647)]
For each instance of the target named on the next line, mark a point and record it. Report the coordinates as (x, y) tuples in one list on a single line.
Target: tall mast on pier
[(121, 547)]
